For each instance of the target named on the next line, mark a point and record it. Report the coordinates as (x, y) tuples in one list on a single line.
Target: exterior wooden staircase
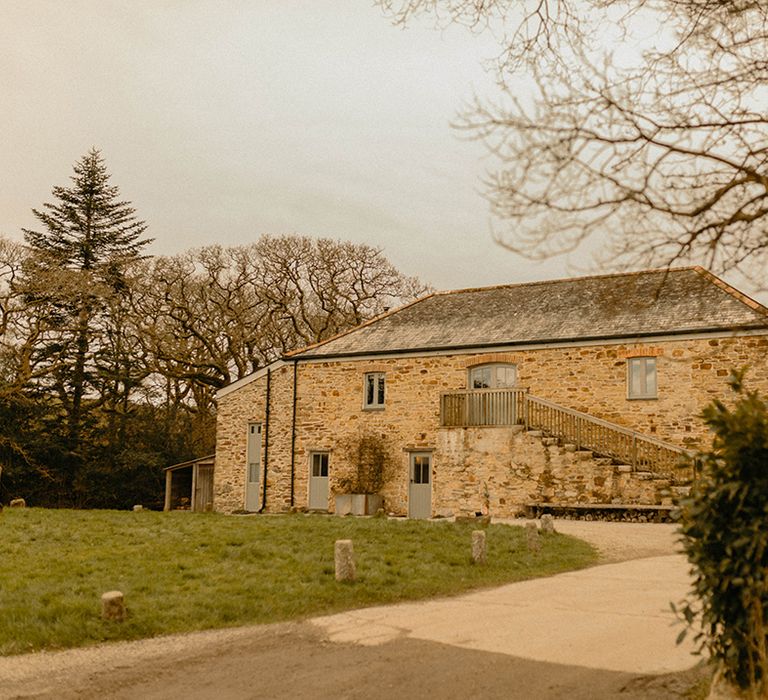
[(628, 449)]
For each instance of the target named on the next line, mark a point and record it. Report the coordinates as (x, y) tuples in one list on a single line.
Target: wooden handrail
[(514, 405), (641, 452)]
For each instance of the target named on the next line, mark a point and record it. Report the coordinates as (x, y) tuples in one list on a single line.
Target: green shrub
[(724, 524)]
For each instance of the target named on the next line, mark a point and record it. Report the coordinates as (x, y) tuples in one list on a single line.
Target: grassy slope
[(183, 571)]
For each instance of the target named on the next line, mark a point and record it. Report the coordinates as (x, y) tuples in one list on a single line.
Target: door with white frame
[(253, 467), (318, 481), (420, 485)]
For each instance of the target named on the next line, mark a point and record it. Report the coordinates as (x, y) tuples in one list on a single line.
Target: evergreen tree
[(89, 228), (88, 238)]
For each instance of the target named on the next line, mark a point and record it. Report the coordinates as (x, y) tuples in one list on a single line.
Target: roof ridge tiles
[(533, 283)]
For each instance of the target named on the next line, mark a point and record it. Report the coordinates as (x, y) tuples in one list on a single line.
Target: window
[(641, 378), (492, 376), (421, 468), (319, 464), (374, 390)]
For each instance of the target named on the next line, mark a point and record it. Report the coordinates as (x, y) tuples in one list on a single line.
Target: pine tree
[(88, 238), (89, 228)]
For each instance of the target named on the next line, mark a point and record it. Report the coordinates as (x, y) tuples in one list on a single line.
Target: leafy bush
[(724, 524)]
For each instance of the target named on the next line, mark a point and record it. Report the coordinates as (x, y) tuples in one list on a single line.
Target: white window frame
[(640, 364), (494, 367), (316, 459), (379, 395)]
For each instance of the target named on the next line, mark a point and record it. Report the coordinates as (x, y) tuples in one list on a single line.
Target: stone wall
[(235, 411), (498, 471), (589, 378)]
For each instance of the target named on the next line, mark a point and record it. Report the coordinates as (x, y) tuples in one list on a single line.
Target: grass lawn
[(186, 571)]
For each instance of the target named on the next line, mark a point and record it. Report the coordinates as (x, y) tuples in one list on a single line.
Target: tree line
[(110, 359)]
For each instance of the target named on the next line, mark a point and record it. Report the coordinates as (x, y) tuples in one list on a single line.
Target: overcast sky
[(221, 121)]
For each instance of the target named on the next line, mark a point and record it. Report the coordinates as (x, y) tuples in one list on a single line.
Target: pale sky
[(221, 121)]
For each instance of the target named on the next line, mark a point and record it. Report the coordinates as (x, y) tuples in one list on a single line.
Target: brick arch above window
[(642, 352), (501, 358)]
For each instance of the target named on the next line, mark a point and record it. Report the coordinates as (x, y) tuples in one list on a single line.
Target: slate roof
[(630, 305)]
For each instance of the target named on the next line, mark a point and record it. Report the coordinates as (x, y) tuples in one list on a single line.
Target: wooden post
[(168, 489), (525, 410), (192, 499)]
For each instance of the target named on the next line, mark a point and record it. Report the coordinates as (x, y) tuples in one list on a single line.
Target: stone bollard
[(345, 560), (478, 547), (532, 533), (547, 524), (18, 503), (136, 509), (112, 606)]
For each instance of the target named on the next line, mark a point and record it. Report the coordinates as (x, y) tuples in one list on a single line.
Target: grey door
[(253, 468), (420, 486), (318, 481)]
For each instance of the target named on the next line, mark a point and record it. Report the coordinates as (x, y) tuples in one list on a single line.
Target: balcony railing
[(500, 407), (482, 407)]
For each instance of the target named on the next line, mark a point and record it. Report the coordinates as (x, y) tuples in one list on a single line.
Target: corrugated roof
[(652, 302)]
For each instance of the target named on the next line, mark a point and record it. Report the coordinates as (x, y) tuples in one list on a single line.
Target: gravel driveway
[(92, 672), (621, 541)]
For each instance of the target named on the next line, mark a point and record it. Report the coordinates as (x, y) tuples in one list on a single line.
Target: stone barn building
[(575, 391)]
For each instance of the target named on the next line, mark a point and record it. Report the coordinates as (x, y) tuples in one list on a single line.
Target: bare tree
[(214, 315), (316, 288), (642, 123)]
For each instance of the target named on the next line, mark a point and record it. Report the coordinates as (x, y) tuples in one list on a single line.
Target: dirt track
[(294, 661)]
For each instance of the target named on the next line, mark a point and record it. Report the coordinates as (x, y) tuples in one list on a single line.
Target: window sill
[(373, 408), (642, 398)]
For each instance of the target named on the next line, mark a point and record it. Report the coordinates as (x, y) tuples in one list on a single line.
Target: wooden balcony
[(482, 407)]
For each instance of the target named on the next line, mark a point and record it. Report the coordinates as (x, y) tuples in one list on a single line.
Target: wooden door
[(204, 488), (318, 481), (420, 486), (253, 468)]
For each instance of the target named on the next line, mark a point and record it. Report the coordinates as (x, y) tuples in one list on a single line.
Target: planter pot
[(343, 503), (358, 503)]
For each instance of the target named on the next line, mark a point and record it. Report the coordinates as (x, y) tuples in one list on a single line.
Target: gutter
[(518, 343), (293, 431), (266, 443)]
